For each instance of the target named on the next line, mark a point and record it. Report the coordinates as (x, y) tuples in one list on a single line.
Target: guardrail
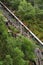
[(28, 31)]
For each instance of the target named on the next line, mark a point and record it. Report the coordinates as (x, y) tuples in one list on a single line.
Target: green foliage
[(39, 1), (14, 51), (18, 51), (26, 10), (1, 62), (18, 57), (8, 60), (15, 4), (28, 46), (3, 37)]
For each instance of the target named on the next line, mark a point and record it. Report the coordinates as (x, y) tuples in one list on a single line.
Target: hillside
[(31, 14), (16, 48), (14, 51)]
